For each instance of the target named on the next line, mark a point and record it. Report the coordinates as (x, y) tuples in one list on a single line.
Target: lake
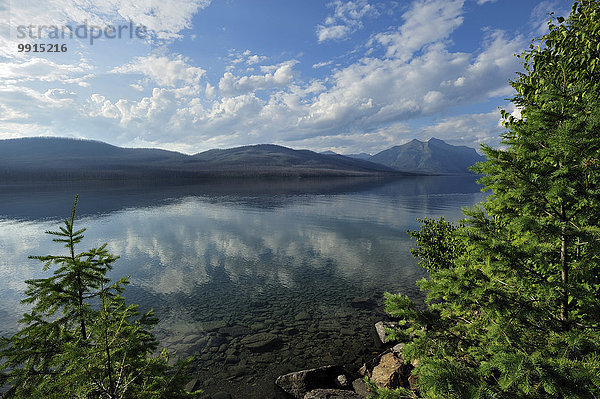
[(253, 278)]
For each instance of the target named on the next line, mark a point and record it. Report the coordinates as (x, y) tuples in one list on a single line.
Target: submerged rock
[(332, 394), (341, 381), (360, 387), (261, 342), (213, 325), (221, 395), (216, 341), (235, 331), (299, 383), (363, 303), (302, 316), (238, 370), (191, 386)]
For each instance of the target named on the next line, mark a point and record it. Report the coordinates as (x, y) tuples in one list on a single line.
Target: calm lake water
[(254, 278)]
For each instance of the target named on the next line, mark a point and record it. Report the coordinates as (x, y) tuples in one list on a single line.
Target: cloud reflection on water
[(242, 243)]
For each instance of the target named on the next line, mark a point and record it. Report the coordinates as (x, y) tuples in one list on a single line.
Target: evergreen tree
[(513, 294), (80, 339)]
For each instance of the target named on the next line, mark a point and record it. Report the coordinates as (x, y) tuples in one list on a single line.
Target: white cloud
[(163, 19), (209, 90), (246, 105), (332, 32), (60, 96), (32, 101), (163, 70), (98, 105), (158, 108), (53, 112), (375, 95), (427, 21), (346, 19), (44, 70), (322, 64), (540, 14), (9, 114), (348, 143), (364, 104), (255, 59), (281, 76), (246, 57), (515, 112), (466, 129)]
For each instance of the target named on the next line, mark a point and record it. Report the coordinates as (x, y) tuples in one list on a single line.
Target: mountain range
[(49, 158)]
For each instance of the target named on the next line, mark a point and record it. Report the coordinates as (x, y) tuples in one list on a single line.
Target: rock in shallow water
[(380, 328), (363, 303), (332, 394), (261, 342), (342, 381), (360, 387), (213, 325), (235, 331), (302, 316), (193, 385), (215, 341), (301, 382)]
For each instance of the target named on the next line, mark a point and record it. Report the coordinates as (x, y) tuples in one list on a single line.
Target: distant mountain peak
[(433, 156), (434, 140)]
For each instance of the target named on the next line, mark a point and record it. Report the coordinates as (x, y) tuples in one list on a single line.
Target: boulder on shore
[(380, 327), (389, 370)]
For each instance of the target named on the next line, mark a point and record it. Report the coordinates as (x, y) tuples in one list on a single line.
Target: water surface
[(299, 264)]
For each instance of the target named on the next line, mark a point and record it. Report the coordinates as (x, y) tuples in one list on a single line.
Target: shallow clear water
[(299, 265)]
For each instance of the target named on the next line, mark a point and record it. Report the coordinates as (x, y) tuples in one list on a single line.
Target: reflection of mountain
[(66, 159), (39, 201)]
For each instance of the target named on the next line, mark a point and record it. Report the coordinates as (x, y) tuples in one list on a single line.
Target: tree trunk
[(109, 368), (79, 284), (564, 276)]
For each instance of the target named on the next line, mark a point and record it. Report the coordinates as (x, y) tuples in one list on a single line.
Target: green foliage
[(386, 393), (80, 339), (437, 247), (513, 294)]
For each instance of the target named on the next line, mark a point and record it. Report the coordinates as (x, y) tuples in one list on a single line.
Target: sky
[(192, 75)]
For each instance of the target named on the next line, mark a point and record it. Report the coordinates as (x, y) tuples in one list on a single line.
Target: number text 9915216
[(41, 48)]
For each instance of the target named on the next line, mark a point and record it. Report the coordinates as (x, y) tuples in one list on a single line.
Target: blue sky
[(347, 76)]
